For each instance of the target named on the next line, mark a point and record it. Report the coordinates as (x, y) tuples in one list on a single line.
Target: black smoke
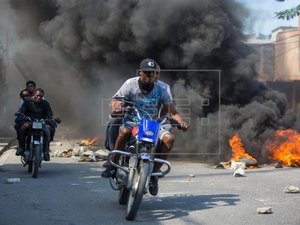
[(81, 51)]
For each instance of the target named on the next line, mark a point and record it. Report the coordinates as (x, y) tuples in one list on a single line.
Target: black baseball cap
[(148, 65)]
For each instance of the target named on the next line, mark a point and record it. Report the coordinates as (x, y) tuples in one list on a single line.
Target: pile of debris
[(82, 153)]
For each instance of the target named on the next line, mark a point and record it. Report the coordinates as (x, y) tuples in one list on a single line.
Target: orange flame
[(285, 146), (238, 150), (89, 142)]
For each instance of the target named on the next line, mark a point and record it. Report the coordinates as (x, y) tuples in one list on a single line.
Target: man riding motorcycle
[(35, 108), (150, 96)]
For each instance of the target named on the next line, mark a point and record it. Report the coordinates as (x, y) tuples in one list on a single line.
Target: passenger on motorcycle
[(30, 87), (35, 108), (24, 94), (148, 95)]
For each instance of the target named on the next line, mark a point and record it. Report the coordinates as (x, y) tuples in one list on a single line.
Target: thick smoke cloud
[(81, 51)]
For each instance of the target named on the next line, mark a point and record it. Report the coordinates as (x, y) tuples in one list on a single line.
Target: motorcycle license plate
[(37, 125)]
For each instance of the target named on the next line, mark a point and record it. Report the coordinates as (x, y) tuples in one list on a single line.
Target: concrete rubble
[(80, 153), (291, 189), (264, 210), (239, 168), (190, 177), (13, 180)]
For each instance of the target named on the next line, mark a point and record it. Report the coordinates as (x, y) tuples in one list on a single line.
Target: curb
[(7, 146)]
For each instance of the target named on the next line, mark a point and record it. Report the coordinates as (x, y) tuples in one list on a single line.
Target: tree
[(288, 13)]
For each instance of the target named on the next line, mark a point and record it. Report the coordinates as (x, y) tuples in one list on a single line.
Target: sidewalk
[(5, 143)]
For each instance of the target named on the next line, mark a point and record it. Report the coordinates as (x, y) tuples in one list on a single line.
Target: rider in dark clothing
[(35, 108)]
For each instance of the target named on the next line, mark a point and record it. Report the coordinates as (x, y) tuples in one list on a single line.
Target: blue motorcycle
[(136, 161)]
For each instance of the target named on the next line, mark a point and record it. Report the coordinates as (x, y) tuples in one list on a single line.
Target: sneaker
[(46, 156), (19, 151), (110, 171), (153, 186)]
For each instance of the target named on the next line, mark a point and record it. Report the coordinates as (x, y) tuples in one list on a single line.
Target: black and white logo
[(151, 64)]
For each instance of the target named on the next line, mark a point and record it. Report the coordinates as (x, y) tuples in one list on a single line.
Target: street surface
[(68, 192)]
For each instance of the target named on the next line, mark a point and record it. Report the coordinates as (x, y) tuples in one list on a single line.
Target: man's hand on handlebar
[(181, 124), (184, 126)]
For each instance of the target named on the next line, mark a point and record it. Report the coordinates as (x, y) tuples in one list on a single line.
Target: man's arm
[(116, 108), (175, 115), (48, 110)]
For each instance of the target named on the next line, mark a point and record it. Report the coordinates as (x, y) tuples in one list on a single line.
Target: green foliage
[(288, 13)]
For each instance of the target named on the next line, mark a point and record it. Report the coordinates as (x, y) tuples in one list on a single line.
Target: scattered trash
[(12, 180), (248, 162), (264, 210), (236, 165), (88, 153), (75, 157), (66, 153), (83, 154), (222, 165), (279, 164), (291, 189), (239, 169), (102, 154), (190, 177), (239, 173), (87, 158)]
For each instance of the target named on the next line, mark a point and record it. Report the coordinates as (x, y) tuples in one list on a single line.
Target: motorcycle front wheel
[(30, 163), (123, 195), (36, 160), (138, 189)]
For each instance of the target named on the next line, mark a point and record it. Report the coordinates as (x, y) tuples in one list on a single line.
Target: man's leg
[(112, 132), (22, 136), (123, 137), (166, 145), (46, 132), (17, 128), (52, 133)]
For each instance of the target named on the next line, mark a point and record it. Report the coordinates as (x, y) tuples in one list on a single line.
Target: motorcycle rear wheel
[(137, 191)]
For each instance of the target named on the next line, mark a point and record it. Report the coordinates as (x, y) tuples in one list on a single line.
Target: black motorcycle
[(33, 154), (34, 149)]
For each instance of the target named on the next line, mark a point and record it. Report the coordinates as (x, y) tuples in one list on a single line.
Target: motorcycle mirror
[(57, 120)]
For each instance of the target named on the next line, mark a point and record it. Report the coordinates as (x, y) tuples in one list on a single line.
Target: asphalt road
[(68, 192)]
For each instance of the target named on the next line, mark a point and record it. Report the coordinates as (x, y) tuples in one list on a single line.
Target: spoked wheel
[(137, 191), (123, 195), (36, 162)]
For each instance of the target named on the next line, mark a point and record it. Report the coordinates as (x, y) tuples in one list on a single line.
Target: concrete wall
[(287, 55)]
